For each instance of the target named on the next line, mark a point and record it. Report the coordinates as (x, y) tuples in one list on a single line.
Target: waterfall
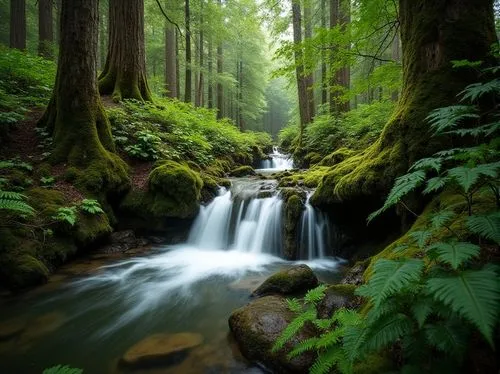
[(256, 224), (315, 235), (277, 161)]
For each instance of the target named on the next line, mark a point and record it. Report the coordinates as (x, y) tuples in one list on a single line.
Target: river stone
[(258, 325), (299, 278), (11, 328), (161, 350)]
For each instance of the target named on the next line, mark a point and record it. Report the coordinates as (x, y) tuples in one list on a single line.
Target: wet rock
[(256, 327), (123, 241), (296, 279), (354, 275), (242, 171), (157, 239), (160, 350), (336, 297), (293, 200), (247, 284), (11, 328)]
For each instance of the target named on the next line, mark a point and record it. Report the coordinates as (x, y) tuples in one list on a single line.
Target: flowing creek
[(91, 318)]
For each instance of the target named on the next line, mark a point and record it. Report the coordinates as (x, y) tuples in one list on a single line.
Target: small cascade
[(315, 235), (277, 161), (251, 224)]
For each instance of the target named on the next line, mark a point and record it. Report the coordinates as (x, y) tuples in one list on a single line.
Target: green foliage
[(90, 206), (66, 215), (486, 226), (15, 203), (62, 369), (145, 147), (47, 181)]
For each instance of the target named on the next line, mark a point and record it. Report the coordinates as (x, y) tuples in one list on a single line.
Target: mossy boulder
[(242, 171), (257, 326), (312, 158), (91, 228), (337, 157), (22, 270), (297, 279), (174, 191), (336, 297), (292, 211)]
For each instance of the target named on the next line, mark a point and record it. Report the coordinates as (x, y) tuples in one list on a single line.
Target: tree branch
[(167, 18)]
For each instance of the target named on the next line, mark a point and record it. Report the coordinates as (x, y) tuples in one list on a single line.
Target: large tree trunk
[(433, 33), (344, 74), (170, 61), (307, 57), (210, 98), (305, 116), (187, 78), (75, 115), (220, 70), (324, 79), (396, 57), (45, 33), (124, 74), (18, 24), (200, 86)]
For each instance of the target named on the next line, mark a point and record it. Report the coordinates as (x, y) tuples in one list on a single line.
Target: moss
[(21, 271), (242, 171), (293, 207), (336, 157), (55, 251), (312, 158), (309, 178), (405, 247), (91, 228), (373, 364), (174, 191), (46, 201), (343, 289), (71, 174), (44, 170)]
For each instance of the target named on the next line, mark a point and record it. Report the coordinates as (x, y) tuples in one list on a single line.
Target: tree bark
[(210, 98), (18, 24), (187, 80), (75, 115), (199, 92), (170, 61), (396, 56), (220, 70), (45, 32), (334, 20), (305, 116), (124, 74), (433, 33), (307, 61), (324, 79), (344, 74)]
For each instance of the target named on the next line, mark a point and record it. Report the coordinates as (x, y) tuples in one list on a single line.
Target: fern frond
[(454, 254), (467, 177), (347, 317), (387, 330), (330, 338), (15, 202), (421, 237), (484, 130), (294, 305), (293, 328), (403, 185), (11, 195), (430, 163), (315, 295), (324, 324), (354, 340), (304, 346), (327, 360), (487, 226), (441, 218), (449, 117), (473, 294), (447, 336), (435, 184), (390, 276), (60, 369), (474, 91)]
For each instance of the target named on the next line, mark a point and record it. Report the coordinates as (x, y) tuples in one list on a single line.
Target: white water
[(315, 233), (278, 161)]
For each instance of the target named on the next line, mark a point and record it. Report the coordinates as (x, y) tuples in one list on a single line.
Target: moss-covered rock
[(336, 297), (257, 326), (309, 178), (174, 191), (312, 158), (297, 279), (242, 171), (337, 157), (91, 228), (292, 211)]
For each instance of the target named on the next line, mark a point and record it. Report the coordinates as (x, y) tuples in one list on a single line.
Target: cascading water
[(277, 161), (315, 236)]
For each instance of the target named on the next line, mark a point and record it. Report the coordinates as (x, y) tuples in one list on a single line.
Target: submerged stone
[(11, 328), (257, 326), (296, 279), (161, 350)]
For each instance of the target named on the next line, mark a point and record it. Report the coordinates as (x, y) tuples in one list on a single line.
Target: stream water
[(91, 318)]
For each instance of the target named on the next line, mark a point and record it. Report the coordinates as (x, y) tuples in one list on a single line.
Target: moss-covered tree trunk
[(45, 34), (433, 33), (18, 24), (124, 74), (75, 115)]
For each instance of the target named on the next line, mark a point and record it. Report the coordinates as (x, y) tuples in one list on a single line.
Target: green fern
[(294, 305), (388, 330), (293, 328), (334, 356), (421, 310), (448, 336), (421, 237), (467, 177), (403, 185), (60, 369), (442, 218), (449, 117), (66, 214), (316, 294), (454, 254), (476, 90), (431, 163), (435, 184), (303, 346), (15, 202), (487, 226), (389, 277), (473, 294), (91, 206)]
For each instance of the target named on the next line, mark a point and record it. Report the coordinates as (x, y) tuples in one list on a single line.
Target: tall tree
[(220, 70), (75, 115), (324, 81), (45, 33), (343, 75), (210, 98), (18, 24), (124, 74), (170, 61), (200, 88), (188, 75), (308, 58), (305, 115), (433, 33)]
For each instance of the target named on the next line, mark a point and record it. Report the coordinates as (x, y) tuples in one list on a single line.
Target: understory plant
[(439, 289)]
